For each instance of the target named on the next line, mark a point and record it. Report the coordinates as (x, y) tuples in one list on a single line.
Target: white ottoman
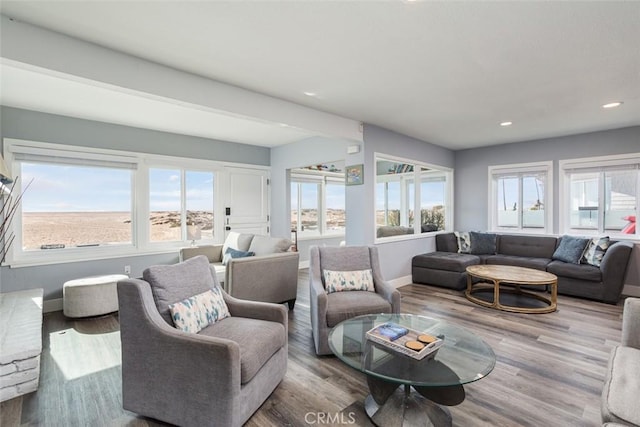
[(91, 296)]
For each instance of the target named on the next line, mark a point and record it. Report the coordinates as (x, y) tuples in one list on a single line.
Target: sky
[(66, 188)]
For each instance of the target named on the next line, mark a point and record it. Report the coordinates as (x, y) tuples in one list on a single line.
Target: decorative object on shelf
[(354, 175), (193, 233)]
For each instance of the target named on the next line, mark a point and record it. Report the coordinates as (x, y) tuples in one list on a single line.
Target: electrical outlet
[(127, 269)]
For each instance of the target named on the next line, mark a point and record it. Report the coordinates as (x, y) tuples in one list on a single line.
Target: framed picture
[(354, 175)]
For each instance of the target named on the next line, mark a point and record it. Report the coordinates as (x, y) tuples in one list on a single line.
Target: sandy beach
[(91, 228)]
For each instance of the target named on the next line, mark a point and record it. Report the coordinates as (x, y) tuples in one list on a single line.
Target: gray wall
[(29, 125), (471, 173), (311, 151), (395, 257)]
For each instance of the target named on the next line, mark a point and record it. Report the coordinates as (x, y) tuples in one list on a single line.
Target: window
[(317, 202), (602, 195), (180, 212), (71, 206), (520, 199), (84, 203), (398, 199)]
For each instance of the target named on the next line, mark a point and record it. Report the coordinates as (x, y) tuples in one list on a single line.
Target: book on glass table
[(391, 330)]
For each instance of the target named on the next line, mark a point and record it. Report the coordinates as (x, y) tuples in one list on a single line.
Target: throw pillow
[(339, 281), (595, 251), (199, 311), (237, 241), (570, 249), (483, 243), (464, 242), (234, 253)]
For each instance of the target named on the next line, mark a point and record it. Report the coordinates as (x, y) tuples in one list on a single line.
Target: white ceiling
[(443, 72)]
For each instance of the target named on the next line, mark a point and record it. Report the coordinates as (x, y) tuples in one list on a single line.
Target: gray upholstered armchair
[(329, 309), (622, 382), (217, 377), (269, 276)]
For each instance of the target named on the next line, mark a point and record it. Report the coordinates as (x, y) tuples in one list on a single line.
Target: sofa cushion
[(173, 283), (199, 311), (575, 271), (258, 341), (346, 305), (595, 251), (519, 261), (622, 387), (449, 261), (265, 245), (341, 281), (446, 242), (526, 246), (483, 243), (239, 241), (570, 249)]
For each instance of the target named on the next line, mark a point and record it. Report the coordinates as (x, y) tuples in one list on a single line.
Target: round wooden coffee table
[(496, 276)]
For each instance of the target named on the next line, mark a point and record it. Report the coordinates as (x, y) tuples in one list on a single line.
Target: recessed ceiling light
[(612, 104), (506, 123), (310, 93)]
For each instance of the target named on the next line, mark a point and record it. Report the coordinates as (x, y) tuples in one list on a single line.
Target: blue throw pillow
[(235, 253), (570, 249)]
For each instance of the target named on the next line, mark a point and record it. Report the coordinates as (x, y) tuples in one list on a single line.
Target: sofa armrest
[(631, 323), (153, 356), (257, 310), (267, 278), (613, 267), (212, 252)]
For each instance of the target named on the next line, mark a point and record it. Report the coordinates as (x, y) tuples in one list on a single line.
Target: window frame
[(321, 178), (599, 164), (494, 172), (405, 181), (140, 209)]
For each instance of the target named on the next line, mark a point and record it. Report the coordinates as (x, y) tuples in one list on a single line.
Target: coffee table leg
[(404, 408)]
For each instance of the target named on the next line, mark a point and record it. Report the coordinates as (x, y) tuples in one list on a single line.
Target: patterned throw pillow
[(464, 242), (595, 251), (199, 311), (338, 281)]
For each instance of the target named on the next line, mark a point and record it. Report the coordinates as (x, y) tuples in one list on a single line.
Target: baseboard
[(303, 264), (401, 281), (50, 305), (631, 291)]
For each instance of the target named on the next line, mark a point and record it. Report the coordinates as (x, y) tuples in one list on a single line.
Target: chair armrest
[(613, 267), (317, 294), (268, 278), (631, 323), (153, 354), (257, 310)]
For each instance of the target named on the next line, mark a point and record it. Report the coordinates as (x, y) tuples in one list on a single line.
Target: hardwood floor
[(549, 371)]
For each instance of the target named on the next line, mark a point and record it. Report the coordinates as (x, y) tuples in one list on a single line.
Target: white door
[(247, 206)]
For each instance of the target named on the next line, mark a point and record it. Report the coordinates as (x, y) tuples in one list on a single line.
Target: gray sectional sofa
[(446, 267)]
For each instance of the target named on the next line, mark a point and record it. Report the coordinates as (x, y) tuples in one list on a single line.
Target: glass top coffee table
[(437, 379)]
